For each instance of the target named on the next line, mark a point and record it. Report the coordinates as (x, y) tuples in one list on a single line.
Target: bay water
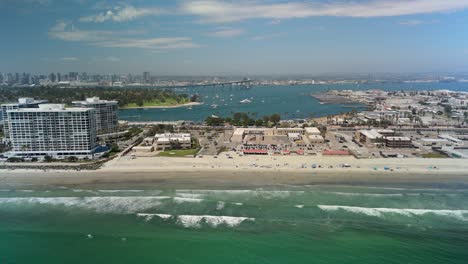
[(290, 101)]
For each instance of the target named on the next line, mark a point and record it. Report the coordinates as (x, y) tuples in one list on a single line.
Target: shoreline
[(161, 106), (228, 173), (236, 179)]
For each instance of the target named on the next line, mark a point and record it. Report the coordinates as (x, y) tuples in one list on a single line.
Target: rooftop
[(312, 130), (94, 100), (371, 134), (51, 108), (26, 101)]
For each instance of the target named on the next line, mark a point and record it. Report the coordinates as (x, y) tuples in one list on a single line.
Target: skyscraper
[(52, 77), (52, 130), (106, 113), (146, 77), (22, 103)]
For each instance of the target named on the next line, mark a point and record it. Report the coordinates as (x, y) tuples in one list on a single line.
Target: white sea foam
[(258, 192), (186, 200), (299, 206), (117, 191), (189, 195), (220, 205), (109, 204), (378, 212), (25, 191), (214, 221), (238, 203), (148, 217), (215, 191), (368, 194)]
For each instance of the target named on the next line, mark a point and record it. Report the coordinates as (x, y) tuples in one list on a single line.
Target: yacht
[(245, 101)]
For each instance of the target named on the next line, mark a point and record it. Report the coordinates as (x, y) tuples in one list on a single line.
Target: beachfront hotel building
[(106, 114), (373, 136), (398, 142), (22, 103), (52, 130), (168, 140), (277, 136)]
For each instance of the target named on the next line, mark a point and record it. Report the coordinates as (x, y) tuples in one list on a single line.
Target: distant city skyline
[(211, 37)]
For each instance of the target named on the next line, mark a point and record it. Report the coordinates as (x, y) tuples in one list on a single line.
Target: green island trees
[(125, 96), (244, 119)]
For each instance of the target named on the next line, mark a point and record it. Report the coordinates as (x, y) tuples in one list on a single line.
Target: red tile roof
[(335, 152)]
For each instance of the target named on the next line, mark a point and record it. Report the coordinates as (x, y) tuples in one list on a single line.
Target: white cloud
[(275, 22), (122, 14), (70, 59), (221, 11), (268, 36), (227, 33), (67, 32), (112, 59), (117, 39), (415, 22), (151, 43)]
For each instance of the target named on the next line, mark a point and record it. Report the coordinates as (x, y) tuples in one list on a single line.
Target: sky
[(215, 37)]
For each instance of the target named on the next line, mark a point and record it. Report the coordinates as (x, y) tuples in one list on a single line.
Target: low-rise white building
[(312, 131), (170, 140)]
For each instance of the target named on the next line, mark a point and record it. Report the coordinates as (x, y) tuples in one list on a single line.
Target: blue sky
[(234, 37)]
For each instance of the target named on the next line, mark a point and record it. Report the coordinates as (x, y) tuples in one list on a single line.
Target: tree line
[(244, 119), (124, 96)]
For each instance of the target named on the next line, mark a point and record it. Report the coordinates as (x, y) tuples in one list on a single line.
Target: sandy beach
[(253, 171)]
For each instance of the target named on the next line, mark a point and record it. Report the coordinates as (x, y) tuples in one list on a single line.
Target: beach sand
[(253, 171)]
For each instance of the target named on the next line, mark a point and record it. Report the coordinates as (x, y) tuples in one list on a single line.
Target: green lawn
[(178, 153), (434, 155), (167, 102)]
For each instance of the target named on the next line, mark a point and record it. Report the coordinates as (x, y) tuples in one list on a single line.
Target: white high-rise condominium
[(106, 113), (52, 130), (22, 103)]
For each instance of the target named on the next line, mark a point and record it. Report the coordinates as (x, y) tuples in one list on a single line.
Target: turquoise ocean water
[(288, 224), (291, 102)]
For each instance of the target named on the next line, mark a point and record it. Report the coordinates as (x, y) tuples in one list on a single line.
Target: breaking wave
[(368, 194), (211, 220), (258, 192), (187, 200), (149, 217), (117, 191), (379, 212), (189, 195), (196, 221), (108, 204)]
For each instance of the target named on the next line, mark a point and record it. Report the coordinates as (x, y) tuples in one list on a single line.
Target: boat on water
[(214, 106), (245, 101)]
